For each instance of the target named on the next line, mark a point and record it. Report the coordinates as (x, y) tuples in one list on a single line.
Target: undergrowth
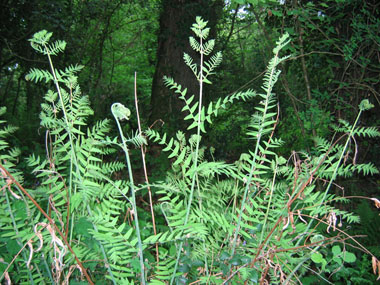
[(262, 219)]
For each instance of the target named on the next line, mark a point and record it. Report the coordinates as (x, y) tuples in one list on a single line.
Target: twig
[(145, 171)]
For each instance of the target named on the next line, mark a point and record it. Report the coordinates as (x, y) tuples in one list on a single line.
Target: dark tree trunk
[(176, 18)]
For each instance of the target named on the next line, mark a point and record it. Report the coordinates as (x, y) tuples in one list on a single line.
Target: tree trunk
[(176, 18)]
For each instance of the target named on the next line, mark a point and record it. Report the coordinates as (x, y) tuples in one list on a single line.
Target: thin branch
[(231, 29), (145, 171)]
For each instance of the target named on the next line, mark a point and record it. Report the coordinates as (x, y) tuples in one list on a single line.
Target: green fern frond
[(365, 105), (40, 43), (41, 38), (164, 269), (212, 63), (175, 147), (38, 75), (194, 45), (189, 62), (7, 130), (208, 47), (70, 71), (199, 28), (3, 110), (137, 139), (212, 169), (365, 169), (370, 132)]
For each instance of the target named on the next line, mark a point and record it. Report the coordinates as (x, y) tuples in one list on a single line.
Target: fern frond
[(164, 269), (211, 64), (38, 75), (189, 62), (370, 132), (212, 169), (199, 28), (137, 139), (208, 47), (213, 108), (40, 38)]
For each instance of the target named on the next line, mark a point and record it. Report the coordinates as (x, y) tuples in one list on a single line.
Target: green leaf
[(205, 80), (236, 260), (180, 157), (317, 257), (349, 257), (12, 246), (336, 250), (175, 151), (193, 125), (209, 109), (169, 146), (254, 276)]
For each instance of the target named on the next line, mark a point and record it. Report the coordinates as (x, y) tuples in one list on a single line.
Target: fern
[(68, 175), (15, 212), (260, 218), (267, 203)]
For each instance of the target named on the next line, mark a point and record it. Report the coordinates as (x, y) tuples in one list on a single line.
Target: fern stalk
[(196, 154), (73, 159), (341, 156), (361, 109), (269, 204), (271, 82), (126, 152)]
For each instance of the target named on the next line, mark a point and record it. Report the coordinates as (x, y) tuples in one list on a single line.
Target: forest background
[(334, 65)]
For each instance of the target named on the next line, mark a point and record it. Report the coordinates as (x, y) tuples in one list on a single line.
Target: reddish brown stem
[(145, 171), (268, 236)]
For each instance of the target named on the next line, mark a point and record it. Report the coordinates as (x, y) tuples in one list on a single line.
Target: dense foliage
[(222, 194)]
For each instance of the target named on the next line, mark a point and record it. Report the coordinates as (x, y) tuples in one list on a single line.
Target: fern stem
[(333, 177), (253, 165), (72, 154), (179, 249), (73, 161), (126, 152), (269, 204), (69, 194), (341, 157)]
